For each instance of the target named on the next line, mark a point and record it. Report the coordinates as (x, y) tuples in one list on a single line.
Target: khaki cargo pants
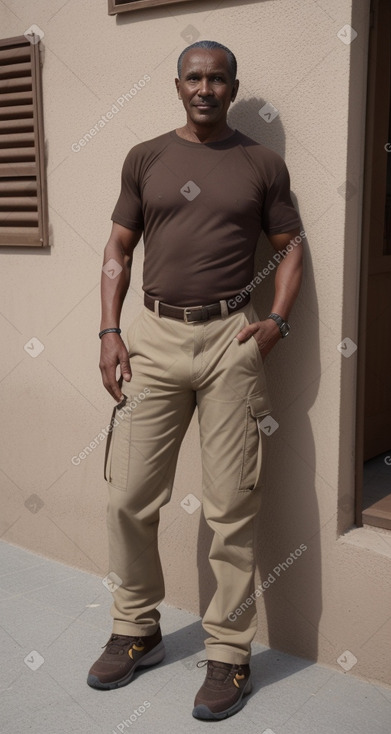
[(178, 366)]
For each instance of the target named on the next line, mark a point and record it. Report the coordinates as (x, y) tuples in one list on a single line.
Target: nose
[(204, 89)]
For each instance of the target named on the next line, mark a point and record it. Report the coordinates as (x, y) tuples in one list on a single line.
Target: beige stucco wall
[(336, 596)]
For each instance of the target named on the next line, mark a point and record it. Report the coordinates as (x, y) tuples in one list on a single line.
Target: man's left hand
[(266, 334)]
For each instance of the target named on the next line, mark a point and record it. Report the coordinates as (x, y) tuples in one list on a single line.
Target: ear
[(177, 84), (234, 90)]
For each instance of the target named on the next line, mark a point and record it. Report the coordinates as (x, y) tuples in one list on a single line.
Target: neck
[(204, 134)]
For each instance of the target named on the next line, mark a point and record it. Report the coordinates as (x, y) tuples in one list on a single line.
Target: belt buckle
[(188, 311)]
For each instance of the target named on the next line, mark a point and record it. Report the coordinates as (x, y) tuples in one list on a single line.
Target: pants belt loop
[(224, 309), (156, 308)]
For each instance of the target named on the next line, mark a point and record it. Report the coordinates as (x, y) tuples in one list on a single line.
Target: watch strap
[(282, 325)]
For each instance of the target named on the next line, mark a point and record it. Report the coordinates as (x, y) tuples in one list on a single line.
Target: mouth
[(205, 106)]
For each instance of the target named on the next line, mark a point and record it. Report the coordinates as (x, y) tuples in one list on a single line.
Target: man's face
[(206, 87)]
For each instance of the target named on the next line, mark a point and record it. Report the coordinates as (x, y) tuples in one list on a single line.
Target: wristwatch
[(282, 325)]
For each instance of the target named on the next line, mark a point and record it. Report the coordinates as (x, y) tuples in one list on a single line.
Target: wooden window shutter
[(23, 196)]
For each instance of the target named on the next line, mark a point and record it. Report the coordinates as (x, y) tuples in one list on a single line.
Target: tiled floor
[(54, 620)]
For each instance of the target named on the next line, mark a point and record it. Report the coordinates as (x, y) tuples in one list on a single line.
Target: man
[(201, 195)]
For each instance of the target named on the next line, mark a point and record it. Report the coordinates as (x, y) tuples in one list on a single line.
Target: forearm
[(114, 289), (287, 282)]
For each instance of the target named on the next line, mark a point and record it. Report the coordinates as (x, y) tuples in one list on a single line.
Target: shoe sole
[(205, 714), (153, 657)]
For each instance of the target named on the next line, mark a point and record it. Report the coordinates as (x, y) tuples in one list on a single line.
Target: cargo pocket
[(116, 462), (257, 406)]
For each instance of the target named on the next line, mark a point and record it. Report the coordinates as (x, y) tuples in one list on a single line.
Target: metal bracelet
[(107, 331)]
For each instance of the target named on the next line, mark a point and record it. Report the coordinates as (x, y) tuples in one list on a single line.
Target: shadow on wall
[(288, 528)]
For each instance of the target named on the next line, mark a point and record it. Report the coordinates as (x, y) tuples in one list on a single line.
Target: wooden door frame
[(377, 31)]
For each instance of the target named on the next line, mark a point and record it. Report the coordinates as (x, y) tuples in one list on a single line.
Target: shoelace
[(116, 643), (216, 671)]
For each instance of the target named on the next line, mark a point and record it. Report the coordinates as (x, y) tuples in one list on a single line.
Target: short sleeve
[(278, 213), (128, 209)]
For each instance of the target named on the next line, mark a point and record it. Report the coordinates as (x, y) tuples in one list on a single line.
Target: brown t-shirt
[(202, 207)]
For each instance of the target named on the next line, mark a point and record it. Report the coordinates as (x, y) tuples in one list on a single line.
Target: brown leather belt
[(194, 313)]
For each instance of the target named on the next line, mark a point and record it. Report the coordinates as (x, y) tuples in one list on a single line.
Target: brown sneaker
[(222, 692), (122, 655)]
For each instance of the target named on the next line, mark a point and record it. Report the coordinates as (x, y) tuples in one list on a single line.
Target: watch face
[(284, 328)]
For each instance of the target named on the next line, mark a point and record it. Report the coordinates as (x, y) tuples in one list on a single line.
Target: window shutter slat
[(10, 55), (17, 168), (19, 187), (19, 235), (11, 155), (124, 6), (16, 218), (7, 140), (10, 203), (11, 71), (23, 206), (15, 98), (19, 125), (17, 112), (14, 84)]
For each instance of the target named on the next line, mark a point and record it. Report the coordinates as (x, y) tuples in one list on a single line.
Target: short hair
[(211, 46)]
